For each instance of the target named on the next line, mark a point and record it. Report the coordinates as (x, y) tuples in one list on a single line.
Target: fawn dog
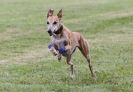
[(70, 40)]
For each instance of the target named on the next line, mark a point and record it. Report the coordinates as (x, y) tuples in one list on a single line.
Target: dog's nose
[(50, 32)]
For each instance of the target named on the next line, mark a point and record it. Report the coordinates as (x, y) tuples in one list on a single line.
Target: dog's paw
[(72, 76), (94, 77)]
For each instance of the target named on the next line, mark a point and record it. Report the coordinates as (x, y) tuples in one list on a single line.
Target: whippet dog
[(71, 40)]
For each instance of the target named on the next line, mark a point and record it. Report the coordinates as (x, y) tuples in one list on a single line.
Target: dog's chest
[(59, 42)]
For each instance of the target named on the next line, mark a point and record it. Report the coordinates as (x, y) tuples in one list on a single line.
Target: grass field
[(26, 65)]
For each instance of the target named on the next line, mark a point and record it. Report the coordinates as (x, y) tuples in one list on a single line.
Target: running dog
[(61, 37)]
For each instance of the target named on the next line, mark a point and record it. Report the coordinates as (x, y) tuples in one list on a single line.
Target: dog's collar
[(59, 30)]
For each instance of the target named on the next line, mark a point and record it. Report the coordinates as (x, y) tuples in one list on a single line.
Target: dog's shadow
[(86, 79)]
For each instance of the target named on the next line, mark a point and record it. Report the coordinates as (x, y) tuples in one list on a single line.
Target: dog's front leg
[(68, 47), (69, 62), (53, 51), (59, 56)]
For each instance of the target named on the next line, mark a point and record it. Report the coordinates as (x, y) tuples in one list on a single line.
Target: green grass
[(26, 65)]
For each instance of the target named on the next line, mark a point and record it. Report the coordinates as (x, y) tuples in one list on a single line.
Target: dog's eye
[(47, 22), (55, 23)]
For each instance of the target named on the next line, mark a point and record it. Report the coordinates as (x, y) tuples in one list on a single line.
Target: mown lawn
[(26, 65)]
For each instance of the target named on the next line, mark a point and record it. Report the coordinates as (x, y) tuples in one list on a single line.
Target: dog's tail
[(83, 46)]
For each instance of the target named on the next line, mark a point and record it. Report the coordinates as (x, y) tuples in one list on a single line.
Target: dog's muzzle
[(50, 32)]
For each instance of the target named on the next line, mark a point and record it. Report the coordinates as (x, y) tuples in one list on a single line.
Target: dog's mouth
[(59, 30)]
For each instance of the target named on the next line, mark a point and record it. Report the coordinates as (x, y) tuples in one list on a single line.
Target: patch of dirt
[(32, 55)]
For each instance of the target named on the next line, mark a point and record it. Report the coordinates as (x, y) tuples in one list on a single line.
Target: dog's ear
[(50, 12), (60, 14)]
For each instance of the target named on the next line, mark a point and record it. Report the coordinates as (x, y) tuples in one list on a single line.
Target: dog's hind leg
[(83, 47), (69, 62), (91, 68)]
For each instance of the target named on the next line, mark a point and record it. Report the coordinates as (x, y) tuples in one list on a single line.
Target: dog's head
[(54, 22)]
